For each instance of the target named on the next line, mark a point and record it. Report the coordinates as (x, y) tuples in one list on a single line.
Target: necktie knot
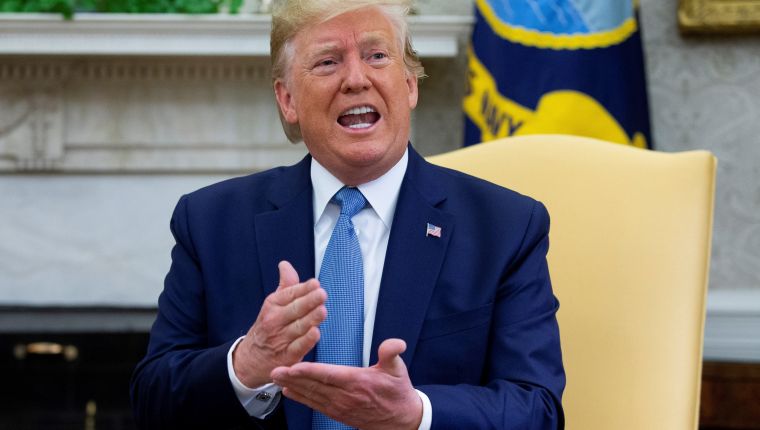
[(351, 201)]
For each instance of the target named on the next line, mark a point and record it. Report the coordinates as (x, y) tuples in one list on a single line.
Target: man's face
[(348, 89)]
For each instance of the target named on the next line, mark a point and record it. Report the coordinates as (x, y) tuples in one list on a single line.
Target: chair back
[(629, 259)]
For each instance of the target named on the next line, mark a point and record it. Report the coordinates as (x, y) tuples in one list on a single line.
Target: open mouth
[(358, 118)]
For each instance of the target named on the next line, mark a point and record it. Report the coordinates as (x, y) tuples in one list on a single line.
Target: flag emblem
[(433, 230)]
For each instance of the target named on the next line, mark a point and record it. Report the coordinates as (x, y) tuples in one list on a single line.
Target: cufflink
[(263, 396)]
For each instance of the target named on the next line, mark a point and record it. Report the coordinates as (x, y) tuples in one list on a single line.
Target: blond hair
[(291, 16)]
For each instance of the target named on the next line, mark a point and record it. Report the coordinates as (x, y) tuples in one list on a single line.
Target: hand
[(286, 328), (377, 397)]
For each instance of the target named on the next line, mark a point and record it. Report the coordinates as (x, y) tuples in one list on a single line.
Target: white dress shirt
[(372, 226)]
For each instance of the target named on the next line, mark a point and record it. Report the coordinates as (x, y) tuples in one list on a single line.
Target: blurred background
[(106, 119)]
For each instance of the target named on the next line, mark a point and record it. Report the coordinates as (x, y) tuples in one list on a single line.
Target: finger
[(285, 296), (295, 375), (310, 398), (301, 326), (302, 374), (303, 306), (298, 347), (306, 390), (288, 275), (388, 356), (272, 327)]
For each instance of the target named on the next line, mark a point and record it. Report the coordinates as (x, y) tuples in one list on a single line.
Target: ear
[(285, 101), (411, 82)]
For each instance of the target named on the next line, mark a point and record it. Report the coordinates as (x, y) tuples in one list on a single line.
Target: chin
[(364, 159), (371, 151)]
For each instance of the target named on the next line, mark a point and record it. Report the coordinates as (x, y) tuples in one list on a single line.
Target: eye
[(324, 66), (325, 63), (378, 56)]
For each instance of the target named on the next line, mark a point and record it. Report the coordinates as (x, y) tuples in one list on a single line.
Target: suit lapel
[(413, 259), (287, 233)]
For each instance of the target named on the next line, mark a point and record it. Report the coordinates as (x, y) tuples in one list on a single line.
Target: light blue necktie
[(342, 276)]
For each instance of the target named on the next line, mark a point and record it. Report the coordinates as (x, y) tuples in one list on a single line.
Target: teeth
[(358, 110), (362, 125)]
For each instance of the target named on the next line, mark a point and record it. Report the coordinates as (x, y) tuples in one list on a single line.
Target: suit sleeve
[(523, 378), (183, 382)]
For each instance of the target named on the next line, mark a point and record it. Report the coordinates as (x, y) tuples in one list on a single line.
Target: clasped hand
[(287, 328)]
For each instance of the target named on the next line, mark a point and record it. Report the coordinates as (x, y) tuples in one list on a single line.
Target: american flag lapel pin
[(433, 230)]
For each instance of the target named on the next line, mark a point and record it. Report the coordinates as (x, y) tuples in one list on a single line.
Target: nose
[(355, 78)]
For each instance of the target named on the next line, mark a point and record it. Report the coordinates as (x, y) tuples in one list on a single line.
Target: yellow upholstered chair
[(629, 257)]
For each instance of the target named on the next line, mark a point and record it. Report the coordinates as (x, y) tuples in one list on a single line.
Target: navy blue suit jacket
[(474, 306)]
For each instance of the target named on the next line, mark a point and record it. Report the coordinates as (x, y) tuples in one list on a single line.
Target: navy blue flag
[(556, 66)]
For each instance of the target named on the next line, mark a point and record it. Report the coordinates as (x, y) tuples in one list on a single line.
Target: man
[(437, 279)]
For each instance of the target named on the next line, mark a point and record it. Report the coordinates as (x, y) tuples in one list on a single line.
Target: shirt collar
[(382, 193)]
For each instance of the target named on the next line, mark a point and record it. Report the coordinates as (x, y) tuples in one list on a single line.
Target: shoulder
[(490, 217), (237, 185), (236, 199), (467, 193), (251, 190)]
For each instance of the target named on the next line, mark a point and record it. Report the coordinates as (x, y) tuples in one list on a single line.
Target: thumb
[(388, 356), (288, 275)]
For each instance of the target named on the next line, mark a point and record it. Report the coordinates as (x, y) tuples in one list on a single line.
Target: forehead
[(362, 26)]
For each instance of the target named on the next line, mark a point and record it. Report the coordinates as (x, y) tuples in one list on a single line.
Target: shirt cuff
[(260, 401), (427, 411)]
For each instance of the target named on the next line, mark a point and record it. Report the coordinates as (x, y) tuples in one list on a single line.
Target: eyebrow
[(366, 39), (373, 38), (382, 41), (326, 48)]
